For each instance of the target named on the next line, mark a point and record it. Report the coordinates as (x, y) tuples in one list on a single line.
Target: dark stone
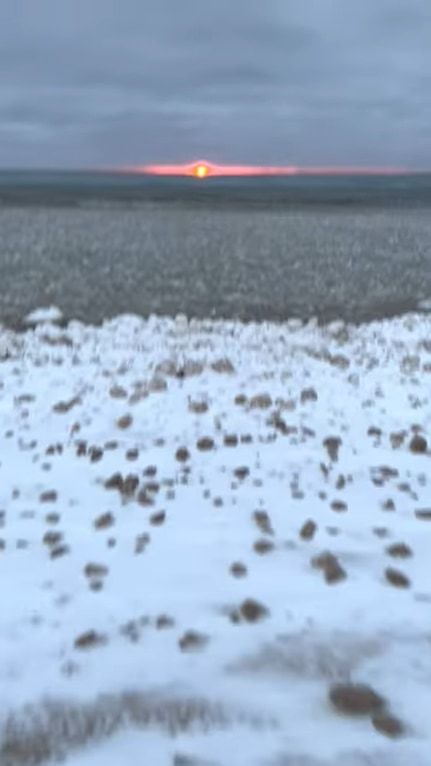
[(397, 578), (52, 538), (388, 725), (238, 569), (330, 566), (104, 521), (114, 482), (158, 518), (356, 699), (308, 530), (141, 542), (130, 484), (332, 444), (63, 407), (95, 570), (263, 522), (308, 395), (164, 622), (399, 550), (339, 506), (192, 641), (124, 422), (205, 444), (418, 445), (96, 454), (150, 471), (263, 546), (230, 440), (90, 640), (59, 551), (241, 473), (182, 454), (252, 611), (50, 496), (261, 402)]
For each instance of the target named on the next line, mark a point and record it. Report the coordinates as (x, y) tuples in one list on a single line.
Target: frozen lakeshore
[(206, 527)]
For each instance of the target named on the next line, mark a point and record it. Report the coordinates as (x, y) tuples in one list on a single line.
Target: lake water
[(98, 244)]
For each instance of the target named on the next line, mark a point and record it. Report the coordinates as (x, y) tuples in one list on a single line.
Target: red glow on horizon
[(203, 169)]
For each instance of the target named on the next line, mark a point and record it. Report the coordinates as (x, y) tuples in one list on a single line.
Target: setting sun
[(201, 170)]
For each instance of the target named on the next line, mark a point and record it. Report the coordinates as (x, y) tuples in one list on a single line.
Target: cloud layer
[(112, 82)]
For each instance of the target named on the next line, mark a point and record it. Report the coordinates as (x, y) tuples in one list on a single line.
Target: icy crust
[(214, 543)]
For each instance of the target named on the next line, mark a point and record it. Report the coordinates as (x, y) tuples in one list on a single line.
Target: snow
[(257, 691), (44, 315)]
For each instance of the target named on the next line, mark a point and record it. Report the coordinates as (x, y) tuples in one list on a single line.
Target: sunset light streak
[(202, 170)]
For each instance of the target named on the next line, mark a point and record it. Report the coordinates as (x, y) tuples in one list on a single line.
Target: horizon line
[(208, 169)]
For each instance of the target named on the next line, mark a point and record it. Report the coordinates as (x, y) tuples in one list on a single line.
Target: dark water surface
[(100, 244)]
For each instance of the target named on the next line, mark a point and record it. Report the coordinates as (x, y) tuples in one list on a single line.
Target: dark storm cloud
[(267, 81)]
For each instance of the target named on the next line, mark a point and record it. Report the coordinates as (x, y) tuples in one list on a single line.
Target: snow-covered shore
[(167, 490)]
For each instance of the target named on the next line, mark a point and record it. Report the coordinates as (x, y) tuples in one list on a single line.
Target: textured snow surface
[(167, 490)]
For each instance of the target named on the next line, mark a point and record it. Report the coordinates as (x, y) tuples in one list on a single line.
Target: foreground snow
[(121, 604)]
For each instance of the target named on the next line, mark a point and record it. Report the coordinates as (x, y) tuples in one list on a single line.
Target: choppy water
[(98, 245)]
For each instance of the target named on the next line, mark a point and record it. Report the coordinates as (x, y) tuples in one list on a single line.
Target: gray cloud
[(282, 81)]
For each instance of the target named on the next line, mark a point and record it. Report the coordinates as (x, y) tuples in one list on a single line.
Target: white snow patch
[(44, 315), (63, 397)]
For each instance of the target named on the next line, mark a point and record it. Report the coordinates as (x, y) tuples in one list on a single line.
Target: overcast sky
[(107, 82)]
